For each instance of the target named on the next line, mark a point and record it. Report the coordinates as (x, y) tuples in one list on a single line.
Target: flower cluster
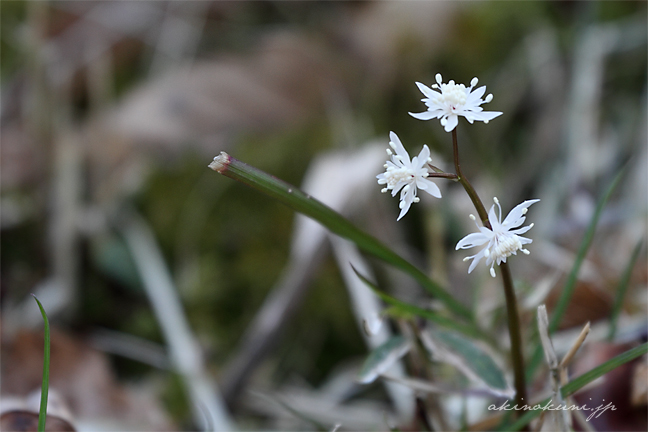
[(503, 240), (449, 101)]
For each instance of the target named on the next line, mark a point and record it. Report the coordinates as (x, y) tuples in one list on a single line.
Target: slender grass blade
[(400, 307), (336, 223), (623, 287), (42, 414), (570, 284)]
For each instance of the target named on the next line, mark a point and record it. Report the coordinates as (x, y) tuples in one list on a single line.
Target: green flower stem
[(42, 414), (336, 223), (481, 210), (513, 317), (515, 336)]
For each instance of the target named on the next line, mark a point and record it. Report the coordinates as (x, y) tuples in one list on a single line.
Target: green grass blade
[(402, 307), (382, 358), (42, 414), (336, 223), (623, 287), (580, 382), (475, 358), (570, 285)]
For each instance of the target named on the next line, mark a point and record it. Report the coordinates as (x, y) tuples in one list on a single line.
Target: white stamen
[(472, 216), (507, 246), (492, 272), (439, 78), (489, 98), (417, 199), (495, 200), (389, 152), (525, 251), (466, 259), (453, 96), (474, 82)]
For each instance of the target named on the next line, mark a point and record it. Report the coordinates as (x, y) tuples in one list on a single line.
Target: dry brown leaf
[(588, 303)]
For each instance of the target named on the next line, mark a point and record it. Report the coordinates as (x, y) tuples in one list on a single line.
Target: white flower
[(503, 240), (406, 176), (454, 100)]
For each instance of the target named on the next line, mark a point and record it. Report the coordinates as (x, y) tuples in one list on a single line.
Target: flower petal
[(472, 240), (525, 240), (521, 230), (422, 157), (434, 108), (406, 202), (398, 146), (451, 123), (398, 187), (427, 91), (516, 216), (485, 115), (426, 115), (475, 95), (476, 259), (428, 186), (493, 218)]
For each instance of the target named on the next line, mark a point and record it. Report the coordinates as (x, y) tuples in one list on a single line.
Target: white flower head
[(449, 101), (405, 175), (503, 240)]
